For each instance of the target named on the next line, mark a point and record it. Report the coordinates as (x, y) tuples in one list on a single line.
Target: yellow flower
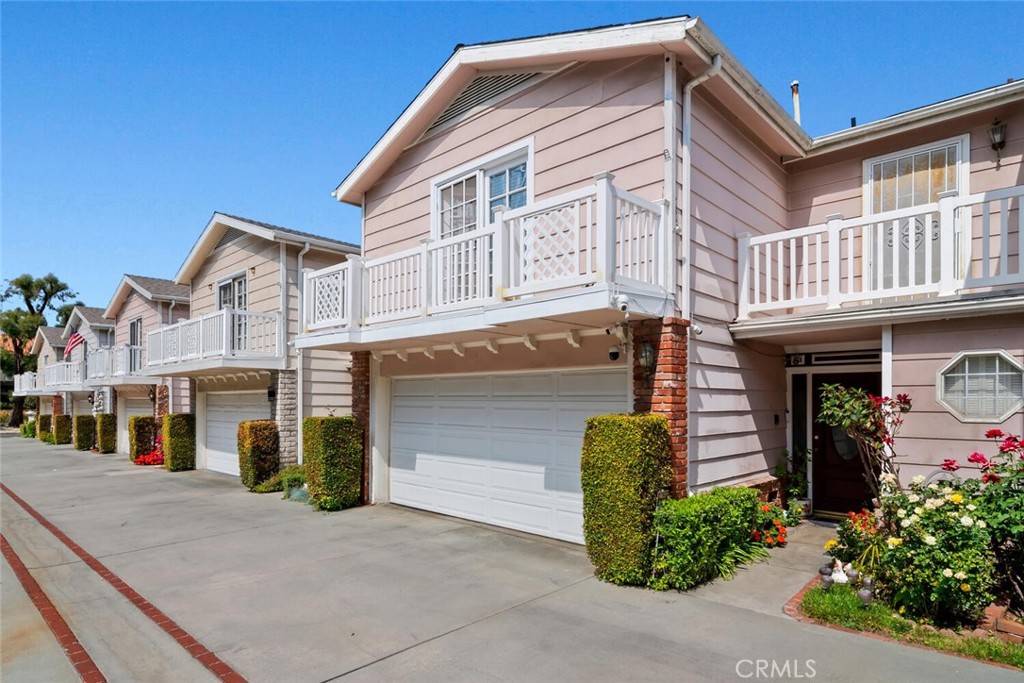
[(966, 588), (956, 498), (831, 543), (893, 542)]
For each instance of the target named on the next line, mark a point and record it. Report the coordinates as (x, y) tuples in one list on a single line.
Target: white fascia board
[(316, 242), (565, 47), (915, 118), (939, 310), (119, 296)]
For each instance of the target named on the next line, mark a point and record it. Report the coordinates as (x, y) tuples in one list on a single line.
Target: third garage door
[(502, 449), (223, 413)]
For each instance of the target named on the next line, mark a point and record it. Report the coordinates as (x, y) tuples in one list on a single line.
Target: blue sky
[(125, 125)]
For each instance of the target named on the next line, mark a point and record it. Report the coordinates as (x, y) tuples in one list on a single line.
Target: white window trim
[(963, 166), (480, 164), (244, 273), (132, 321), (939, 382)]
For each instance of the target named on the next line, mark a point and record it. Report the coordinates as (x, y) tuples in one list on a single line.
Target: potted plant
[(792, 472)]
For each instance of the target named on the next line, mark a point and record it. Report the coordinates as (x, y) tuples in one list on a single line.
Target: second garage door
[(502, 449), (132, 406), (223, 413)]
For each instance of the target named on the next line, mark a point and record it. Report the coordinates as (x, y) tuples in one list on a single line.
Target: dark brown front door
[(838, 479)]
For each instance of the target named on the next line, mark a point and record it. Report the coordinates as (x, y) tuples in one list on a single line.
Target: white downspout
[(300, 353), (686, 233)]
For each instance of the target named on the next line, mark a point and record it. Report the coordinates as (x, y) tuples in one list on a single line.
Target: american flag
[(74, 341)]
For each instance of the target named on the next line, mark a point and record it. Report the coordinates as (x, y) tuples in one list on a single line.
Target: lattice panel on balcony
[(549, 247), (328, 303)]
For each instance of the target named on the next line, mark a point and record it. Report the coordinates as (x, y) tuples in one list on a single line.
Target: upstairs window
[(468, 197), (982, 386), (914, 177)]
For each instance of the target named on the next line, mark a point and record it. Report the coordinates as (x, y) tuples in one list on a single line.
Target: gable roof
[(48, 335), (688, 38), (91, 315), (222, 222), (152, 288)]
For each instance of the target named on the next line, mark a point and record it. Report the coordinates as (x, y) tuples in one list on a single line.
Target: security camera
[(614, 353), (621, 302)]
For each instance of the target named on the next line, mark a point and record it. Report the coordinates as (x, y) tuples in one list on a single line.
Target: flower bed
[(155, 456)]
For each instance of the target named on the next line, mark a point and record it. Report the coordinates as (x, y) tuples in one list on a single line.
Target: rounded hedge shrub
[(625, 469), (141, 435), (106, 432), (333, 458), (258, 451), (28, 429), (61, 429), (179, 442), (85, 432)]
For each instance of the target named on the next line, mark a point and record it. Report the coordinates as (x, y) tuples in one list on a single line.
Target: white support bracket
[(530, 342), (459, 350), (491, 346), (573, 337)]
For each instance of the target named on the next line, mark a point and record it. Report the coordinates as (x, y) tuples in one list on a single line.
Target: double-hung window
[(904, 180), (234, 294)]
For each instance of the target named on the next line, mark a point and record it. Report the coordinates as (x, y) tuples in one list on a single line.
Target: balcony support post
[(500, 255), (227, 345), (947, 243), (835, 269), (743, 264), (354, 291), (605, 227)]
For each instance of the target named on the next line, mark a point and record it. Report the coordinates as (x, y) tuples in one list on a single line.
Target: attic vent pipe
[(795, 87)]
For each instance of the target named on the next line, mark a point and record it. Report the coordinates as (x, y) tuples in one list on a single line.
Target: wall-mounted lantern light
[(645, 356), (152, 394), (271, 394), (997, 134)]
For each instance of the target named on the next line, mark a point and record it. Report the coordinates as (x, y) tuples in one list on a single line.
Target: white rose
[(966, 521), (972, 507), (919, 479), (913, 497), (981, 524), (918, 510), (960, 575), (929, 540), (948, 573), (907, 522), (901, 513), (933, 486)]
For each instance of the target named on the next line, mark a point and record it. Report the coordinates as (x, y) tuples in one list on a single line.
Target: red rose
[(993, 434), (950, 465), (977, 458)]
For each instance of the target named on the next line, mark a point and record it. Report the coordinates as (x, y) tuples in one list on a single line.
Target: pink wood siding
[(930, 433), (326, 383), (236, 258), (833, 183), (594, 117), (137, 306), (737, 392)]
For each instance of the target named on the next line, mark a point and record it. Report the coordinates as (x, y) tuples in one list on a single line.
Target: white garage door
[(501, 449), (132, 406), (82, 407), (223, 413)]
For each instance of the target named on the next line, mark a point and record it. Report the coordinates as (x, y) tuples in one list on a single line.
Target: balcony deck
[(571, 260), (117, 366), (964, 247), (223, 340)]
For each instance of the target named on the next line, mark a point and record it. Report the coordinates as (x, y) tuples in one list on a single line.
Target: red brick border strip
[(76, 654), (215, 664)]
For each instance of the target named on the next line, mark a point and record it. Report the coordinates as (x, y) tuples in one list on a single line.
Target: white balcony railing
[(114, 362), (27, 382), (956, 244), (596, 234), (226, 333), (63, 375)]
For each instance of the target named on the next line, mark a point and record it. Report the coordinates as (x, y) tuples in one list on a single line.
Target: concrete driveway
[(282, 593)]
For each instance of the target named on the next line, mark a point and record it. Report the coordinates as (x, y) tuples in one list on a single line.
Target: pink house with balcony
[(622, 219)]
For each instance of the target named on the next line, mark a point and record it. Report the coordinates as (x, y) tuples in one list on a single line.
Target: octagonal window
[(982, 386)]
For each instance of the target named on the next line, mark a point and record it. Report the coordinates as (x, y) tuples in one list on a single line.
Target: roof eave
[(916, 118)]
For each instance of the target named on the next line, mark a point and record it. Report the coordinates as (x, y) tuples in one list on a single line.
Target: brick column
[(286, 415), (662, 389), (361, 410), (162, 402), (58, 404)]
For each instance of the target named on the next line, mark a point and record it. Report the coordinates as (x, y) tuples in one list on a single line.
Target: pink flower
[(950, 465), (993, 433), (1009, 444), (977, 458)]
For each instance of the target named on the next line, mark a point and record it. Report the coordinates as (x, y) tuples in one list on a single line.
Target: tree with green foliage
[(38, 295)]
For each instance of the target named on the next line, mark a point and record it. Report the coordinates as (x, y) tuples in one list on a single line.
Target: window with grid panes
[(982, 387)]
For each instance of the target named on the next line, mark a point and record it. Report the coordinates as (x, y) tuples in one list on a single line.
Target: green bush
[(333, 448), (179, 442), (28, 429), (44, 423), (258, 451), (61, 429), (106, 432), (47, 437), (291, 477), (141, 435), (704, 536), (5, 417), (625, 468), (85, 432)]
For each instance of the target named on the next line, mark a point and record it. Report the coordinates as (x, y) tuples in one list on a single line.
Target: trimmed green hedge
[(333, 457), (625, 468), (141, 435), (258, 451), (179, 442), (85, 432), (44, 423), (106, 432), (61, 429), (704, 536)]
